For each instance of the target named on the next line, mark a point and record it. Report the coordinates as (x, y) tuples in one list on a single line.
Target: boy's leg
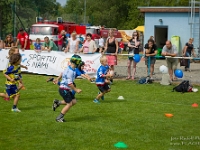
[(60, 117), (4, 95), (104, 89), (57, 103), (69, 100), (16, 99)]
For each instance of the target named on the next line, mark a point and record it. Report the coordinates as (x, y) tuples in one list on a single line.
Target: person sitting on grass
[(101, 81), (12, 77), (66, 86)]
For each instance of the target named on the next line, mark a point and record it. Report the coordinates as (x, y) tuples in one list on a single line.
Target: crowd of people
[(111, 47)]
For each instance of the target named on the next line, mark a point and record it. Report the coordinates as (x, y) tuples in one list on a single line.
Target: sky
[(62, 2)]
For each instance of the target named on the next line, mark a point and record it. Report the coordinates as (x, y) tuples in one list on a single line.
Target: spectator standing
[(1, 44), (170, 50), (38, 45), (72, 45), (49, 45), (81, 40), (101, 44), (89, 45), (23, 39), (187, 52), (61, 38), (150, 50), (111, 47), (133, 45), (121, 46), (8, 42)]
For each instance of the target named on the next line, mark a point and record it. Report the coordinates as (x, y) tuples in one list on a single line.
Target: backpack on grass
[(145, 80), (183, 87)]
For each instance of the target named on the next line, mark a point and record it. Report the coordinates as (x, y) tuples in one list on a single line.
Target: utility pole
[(85, 12), (14, 20)]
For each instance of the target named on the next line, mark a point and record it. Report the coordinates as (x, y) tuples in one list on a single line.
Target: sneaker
[(102, 97), (152, 78), (50, 80), (6, 99), (23, 88), (55, 104), (96, 101), (92, 81), (60, 120), (15, 110)]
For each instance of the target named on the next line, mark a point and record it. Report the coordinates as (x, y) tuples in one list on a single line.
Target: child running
[(101, 81), (15, 50), (12, 77), (66, 86)]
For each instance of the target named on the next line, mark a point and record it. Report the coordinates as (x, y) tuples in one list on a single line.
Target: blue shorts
[(11, 90), (66, 95)]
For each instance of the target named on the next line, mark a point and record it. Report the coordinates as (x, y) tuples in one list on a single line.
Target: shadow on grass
[(114, 101), (84, 118)]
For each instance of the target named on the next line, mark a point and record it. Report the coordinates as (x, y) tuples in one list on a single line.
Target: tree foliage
[(121, 14)]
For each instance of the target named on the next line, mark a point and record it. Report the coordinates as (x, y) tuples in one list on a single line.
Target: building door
[(161, 35)]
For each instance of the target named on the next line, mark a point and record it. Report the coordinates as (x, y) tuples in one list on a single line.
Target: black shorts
[(66, 95), (103, 88)]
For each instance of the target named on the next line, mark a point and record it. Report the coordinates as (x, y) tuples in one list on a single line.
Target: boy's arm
[(86, 76), (9, 78), (74, 88), (23, 66), (55, 81)]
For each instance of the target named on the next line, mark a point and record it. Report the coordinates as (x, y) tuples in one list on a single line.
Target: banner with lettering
[(51, 63)]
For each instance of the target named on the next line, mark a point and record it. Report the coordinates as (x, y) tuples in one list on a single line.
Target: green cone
[(120, 145)]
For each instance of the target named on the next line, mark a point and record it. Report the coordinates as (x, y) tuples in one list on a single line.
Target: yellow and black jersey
[(14, 72)]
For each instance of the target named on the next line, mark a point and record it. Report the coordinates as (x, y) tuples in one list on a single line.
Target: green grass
[(138, 120)]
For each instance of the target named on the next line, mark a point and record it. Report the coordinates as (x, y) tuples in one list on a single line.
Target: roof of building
[(167, 9)]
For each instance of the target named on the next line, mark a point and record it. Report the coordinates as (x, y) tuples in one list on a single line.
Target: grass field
[(138, 120)]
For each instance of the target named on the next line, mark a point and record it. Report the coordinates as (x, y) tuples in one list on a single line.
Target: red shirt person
[(23, 39)]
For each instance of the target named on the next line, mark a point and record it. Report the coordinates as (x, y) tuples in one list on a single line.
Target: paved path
[(193, 76)]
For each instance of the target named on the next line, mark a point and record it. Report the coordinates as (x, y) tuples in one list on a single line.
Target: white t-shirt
[(101, 42), (72, 45)]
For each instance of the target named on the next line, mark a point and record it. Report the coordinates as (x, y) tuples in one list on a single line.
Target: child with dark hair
[(12, 77)]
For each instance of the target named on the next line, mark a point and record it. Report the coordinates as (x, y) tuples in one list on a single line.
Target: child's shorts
[(103, 88), (11, 90), (66, 95)]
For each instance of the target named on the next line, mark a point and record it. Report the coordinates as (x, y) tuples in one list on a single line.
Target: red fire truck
[(98, 32), (43, 28)]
